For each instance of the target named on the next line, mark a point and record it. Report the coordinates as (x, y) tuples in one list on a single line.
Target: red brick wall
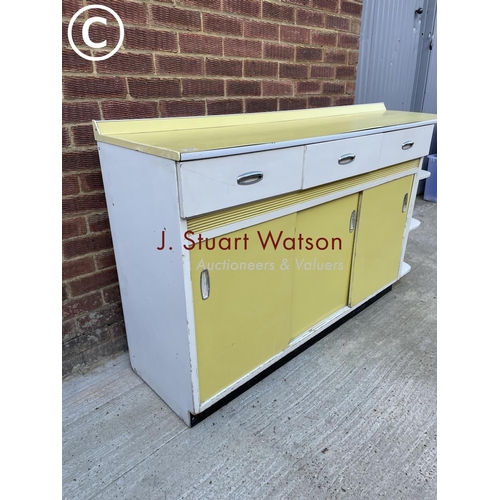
[(179, 58)]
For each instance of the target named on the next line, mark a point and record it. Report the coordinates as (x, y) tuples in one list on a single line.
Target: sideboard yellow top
[(177, 138)]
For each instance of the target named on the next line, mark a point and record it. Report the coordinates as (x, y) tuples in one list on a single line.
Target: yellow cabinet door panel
[(321, 274), (245, 321), (379, 239)]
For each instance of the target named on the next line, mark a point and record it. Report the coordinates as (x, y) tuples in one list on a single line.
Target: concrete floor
[(352, 417)]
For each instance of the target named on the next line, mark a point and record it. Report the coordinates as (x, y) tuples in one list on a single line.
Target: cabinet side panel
[(142, 200)]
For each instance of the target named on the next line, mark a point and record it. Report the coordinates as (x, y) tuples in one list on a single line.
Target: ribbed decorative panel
[(243, 212)]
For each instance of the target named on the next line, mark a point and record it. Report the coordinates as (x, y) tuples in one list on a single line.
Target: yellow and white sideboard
[(239, 238)]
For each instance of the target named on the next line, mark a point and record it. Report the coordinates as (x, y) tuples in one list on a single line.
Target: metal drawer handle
[(347, 158), (249, 178), (407, 145), (205, 284), (405, 203)]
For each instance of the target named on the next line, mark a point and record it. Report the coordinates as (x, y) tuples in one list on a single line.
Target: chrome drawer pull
[(347, 158), (249, 178), (407, 145), (352, 221), (405, 203), (205, 284)]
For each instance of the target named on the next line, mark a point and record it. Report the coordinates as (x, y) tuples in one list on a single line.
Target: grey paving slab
[(352, 417)]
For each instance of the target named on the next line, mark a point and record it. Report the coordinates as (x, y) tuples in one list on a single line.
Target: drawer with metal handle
[(331, 161), (404, 145), (217, 183)]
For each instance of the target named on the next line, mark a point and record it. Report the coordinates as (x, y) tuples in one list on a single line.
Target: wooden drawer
[(217, 183), (331, 161), (404, 145)]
